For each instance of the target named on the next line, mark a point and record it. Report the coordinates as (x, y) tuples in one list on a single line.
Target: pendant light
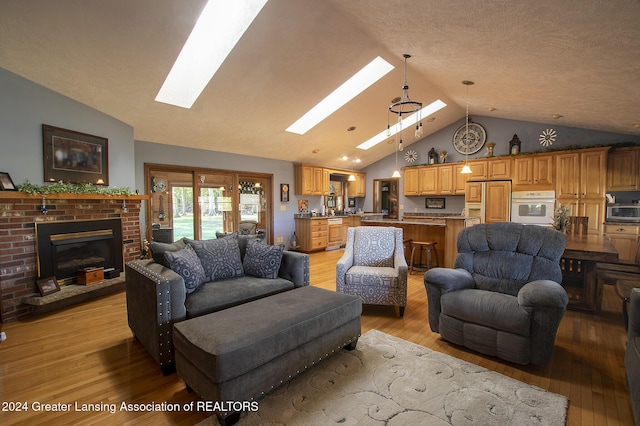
[(466, 169)]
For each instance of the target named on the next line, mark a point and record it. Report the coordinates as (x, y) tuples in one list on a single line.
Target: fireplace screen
[(64, 248)]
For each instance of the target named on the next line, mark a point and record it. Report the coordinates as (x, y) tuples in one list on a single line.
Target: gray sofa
[(503, 297), (632, 354), (157, 296)]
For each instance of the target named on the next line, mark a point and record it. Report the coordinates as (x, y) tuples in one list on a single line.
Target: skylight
[(351, 88), (214, 36), (407, 123)]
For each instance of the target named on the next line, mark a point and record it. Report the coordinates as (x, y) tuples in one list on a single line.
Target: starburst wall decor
[(410, 156), (548, 137)]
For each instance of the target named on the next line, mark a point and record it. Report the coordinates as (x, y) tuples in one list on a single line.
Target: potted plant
[(561, 218)]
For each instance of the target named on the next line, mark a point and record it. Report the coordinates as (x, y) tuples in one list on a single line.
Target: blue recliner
[(502, 297)]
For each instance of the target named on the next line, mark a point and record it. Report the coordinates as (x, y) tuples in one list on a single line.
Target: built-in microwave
[(623, 212)]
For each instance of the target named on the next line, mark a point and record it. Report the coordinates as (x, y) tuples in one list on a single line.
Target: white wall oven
[(533, 207)]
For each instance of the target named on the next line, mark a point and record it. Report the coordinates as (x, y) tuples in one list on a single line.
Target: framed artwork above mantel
[(74, 157)]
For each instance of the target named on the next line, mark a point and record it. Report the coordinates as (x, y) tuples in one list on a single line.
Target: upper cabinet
[(580, 184), (623, 169), (432, 180), (311, 180), (428, 180), (533, 172), (499, 168), (479, 170), (315, 180), (581, 173), (358, 188), (410, 181)]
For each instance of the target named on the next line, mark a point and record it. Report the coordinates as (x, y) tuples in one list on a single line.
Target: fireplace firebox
[(65, 247)]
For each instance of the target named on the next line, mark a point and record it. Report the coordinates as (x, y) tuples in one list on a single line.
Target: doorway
[(385, 197)]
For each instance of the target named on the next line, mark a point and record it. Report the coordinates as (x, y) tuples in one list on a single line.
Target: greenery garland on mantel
[(547, 150), (70, 188)]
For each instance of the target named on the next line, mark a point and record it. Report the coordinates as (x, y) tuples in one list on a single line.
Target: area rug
[(390, 381)]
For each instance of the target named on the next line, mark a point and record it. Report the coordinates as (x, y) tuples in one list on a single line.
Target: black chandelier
[(404, 106)]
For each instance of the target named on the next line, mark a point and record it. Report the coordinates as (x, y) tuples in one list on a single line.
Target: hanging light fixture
[(396, 172), (466, 169), (352, 177), (405, 106)]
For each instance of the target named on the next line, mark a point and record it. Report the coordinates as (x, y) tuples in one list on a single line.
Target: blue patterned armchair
[(373, 266)]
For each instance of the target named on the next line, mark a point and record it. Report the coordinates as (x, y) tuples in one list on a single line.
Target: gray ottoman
[(241, 353)]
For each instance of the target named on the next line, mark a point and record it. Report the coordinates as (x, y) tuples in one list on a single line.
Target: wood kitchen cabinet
[(498, 201), (411, 181), (459, 179), (312, 234), (433, 180), (473, 192), (581, 174), (499, 168), (623, 169), (479, 170), (581, 183), (533, 172), (311, 180), (358, 188), (624, 238), (428, 180), (444, 183)]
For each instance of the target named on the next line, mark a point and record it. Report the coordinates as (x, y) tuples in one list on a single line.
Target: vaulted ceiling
[(529, 60)]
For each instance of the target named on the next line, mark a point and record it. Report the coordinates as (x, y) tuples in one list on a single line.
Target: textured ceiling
[(529, 60)]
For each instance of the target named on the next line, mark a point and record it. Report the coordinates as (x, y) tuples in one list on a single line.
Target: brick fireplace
[(18, 215)]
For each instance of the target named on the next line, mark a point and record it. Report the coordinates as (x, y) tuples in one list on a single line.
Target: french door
[(198, 203)]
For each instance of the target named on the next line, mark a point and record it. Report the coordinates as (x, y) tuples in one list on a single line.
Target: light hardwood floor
[(87, 355)]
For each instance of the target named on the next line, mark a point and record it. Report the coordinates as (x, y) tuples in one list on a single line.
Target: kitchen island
[(441, 229)]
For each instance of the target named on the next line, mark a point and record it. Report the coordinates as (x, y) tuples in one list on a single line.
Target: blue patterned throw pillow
[(220, 257), (262, 260), (159, 249), (185, 263)]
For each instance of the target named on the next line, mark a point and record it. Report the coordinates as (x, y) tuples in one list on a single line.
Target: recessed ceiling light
[(491, 108), (345, 158), (637, 125), (556, 116), (433, 107), (215, 34), (315, 151), (348, 90)]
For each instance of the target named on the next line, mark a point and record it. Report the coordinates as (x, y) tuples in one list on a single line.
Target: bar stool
[(429, 246), (406, 244)]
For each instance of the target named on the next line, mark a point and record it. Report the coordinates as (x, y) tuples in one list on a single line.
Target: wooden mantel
[(7, 195)]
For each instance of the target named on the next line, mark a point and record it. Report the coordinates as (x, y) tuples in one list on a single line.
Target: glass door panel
[(215, 204), (183, 218), (170, 212), (253, 206)]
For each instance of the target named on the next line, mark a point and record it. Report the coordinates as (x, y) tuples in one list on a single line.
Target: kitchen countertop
[(448, 217), (404, 222)]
